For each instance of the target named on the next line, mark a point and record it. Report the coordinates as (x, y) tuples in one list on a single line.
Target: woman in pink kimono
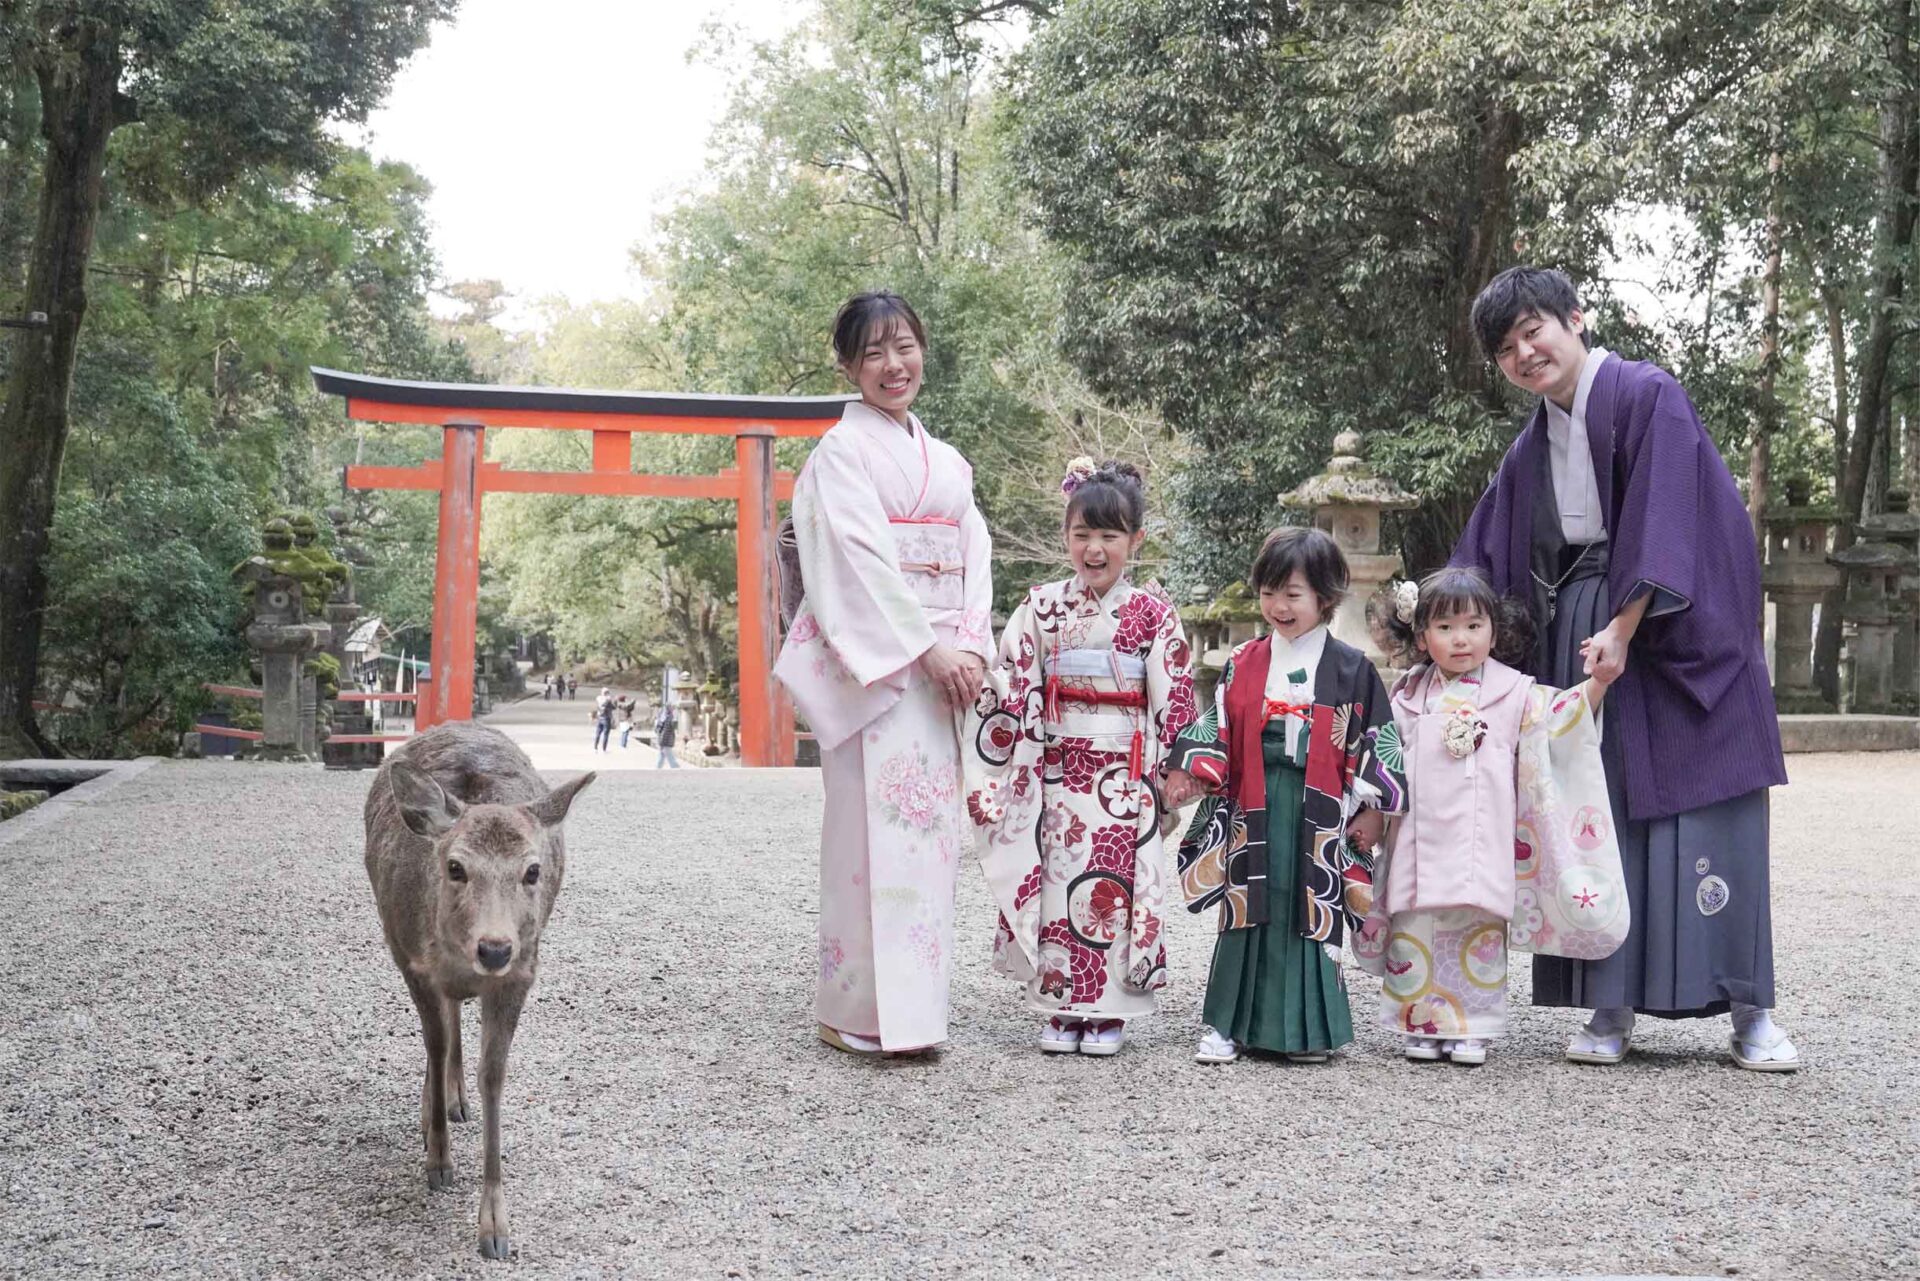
[(1506, 835), (884, 654)]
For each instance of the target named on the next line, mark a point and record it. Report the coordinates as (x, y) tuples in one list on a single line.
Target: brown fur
[(463, 793)]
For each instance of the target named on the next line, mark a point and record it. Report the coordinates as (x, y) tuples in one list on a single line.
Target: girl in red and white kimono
[(885, 653), (1092, 686)]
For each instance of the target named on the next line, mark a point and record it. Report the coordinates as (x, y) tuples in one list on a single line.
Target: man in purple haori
[(1616, 518)]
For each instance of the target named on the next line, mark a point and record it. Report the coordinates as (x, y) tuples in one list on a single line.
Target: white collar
[(861, 411), (1305, 651)]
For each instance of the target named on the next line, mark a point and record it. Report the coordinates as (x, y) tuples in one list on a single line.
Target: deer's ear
[(425, 807), (551, 810)]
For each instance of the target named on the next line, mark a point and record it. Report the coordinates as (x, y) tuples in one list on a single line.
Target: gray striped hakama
[(1698, 884)]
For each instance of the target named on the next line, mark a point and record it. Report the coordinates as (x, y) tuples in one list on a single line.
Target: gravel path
[(209, 1067)]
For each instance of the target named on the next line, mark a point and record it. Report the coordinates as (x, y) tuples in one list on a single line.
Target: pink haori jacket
[(1507, 812)]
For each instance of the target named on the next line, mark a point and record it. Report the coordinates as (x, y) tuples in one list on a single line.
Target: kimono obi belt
[(1095, 713), (927, 550)]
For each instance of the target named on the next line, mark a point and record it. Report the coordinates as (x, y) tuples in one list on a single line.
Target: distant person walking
[(546, 687), (624, 709), (602, 720), (664, 728)]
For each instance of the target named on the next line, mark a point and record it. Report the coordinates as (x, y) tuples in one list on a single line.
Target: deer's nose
[(495, 953)]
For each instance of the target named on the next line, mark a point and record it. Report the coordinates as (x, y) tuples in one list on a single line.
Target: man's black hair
[(1519, 292)]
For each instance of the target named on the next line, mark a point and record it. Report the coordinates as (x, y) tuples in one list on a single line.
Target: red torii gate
[(462, 475)]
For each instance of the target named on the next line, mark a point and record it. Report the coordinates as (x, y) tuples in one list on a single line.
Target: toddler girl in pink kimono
[(1500, 773)]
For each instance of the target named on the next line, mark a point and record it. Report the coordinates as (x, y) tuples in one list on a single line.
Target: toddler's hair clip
[(1406, 599), (1078, 471)]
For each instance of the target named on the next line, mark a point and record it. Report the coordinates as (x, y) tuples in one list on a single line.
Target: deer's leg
[(454, 1088), (499, 1015), (433, 1100)]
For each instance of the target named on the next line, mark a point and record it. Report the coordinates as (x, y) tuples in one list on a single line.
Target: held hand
[(1605, 653), (1178, 788), (1367, 828), (955, 675)]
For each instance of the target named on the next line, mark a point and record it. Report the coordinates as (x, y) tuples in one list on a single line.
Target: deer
[(466, 855)]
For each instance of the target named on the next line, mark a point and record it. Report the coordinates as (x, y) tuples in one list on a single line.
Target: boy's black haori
[(1515, 294)]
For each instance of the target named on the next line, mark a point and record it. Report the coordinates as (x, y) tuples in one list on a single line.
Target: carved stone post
[(280, 630), (1874, 570), (1797, 578), (1900, 526)]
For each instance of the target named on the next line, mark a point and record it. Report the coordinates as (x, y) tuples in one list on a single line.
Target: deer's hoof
[(457, 1111), (439, 1178), (496, 1247)]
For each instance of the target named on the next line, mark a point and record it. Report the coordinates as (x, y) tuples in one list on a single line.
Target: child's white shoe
[(1103, 1039), (1471, 1052), (1423, 1049), (1060, 1036), (1215, 1048)]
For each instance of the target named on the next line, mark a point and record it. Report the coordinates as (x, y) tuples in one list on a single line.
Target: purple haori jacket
[(1694, 709)]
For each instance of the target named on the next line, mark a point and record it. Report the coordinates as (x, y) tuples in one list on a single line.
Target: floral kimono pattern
[(1223, 860), (1073, 732)]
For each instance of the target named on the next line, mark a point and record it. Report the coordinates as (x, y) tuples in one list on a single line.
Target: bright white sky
[(554, 133)]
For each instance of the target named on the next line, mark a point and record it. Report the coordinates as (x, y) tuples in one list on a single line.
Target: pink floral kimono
[(894, 557)]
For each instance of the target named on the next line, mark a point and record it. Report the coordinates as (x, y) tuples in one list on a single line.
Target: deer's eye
[(533, 875), (456, 871)]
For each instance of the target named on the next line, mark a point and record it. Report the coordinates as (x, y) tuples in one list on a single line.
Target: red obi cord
[(1278, 708), (1137, 751)]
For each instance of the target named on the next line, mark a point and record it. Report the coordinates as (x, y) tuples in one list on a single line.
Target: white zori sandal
[(848, 1041), (1103, 1038), (1215, 1048), (1060, 1036), (1589, 1046), (1773, 1052)]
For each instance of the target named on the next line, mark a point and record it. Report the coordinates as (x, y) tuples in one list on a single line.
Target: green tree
[(1277, 217), (229, 86)]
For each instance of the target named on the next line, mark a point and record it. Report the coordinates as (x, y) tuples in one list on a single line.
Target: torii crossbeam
[(461, 475)]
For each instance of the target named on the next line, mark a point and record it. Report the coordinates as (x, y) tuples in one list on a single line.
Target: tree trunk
[(1485, 221), (1760, 458), (17, 131), (1893, 242), (1826, 641), (80, 108), (1899, 186)]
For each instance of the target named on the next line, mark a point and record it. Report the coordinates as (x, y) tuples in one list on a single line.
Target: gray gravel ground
[(208, 1066)]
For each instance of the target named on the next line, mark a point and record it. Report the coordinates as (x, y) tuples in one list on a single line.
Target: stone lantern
[(1347, 501), (1797, 578), (1874, 570), (280, 630), (1900, 526)]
